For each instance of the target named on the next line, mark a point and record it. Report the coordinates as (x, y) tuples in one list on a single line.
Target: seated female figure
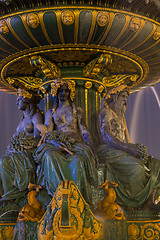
[(17, 167), (66, 154)]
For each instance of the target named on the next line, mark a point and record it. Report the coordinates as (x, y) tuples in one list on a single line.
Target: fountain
[(99, 45)]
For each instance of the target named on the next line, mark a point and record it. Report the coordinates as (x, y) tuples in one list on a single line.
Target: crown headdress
[(55, 85), (116, 90), (23, 93)]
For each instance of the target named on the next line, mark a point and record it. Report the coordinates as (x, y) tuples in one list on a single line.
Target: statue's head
[(67, 17), (102, 18), (3, 27), (32, 20), (117, 97), (63, 89), (25, 98)]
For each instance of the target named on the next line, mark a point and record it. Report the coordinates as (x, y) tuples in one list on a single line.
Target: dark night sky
[(142, 116)]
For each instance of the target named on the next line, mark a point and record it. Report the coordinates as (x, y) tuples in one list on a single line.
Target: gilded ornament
[(135, 24), (22, 67), (8, 233), (96, 66), (67, 17), (70, 55), (134, 78), (3, 27), (49, 69), (150, 231), (80, 205), (58, 82), (133, 231), (156, 35), (33, 20), (88, 84), (33, 210), (28, 82), (10, 80), (23, 93), (108, 208), (43, 90), (71, 233), (102, 18), (114, 80), (100, 89), (1, 238), (78, 213)]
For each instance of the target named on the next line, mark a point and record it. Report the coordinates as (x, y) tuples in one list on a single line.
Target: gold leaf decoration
[(8, 233)]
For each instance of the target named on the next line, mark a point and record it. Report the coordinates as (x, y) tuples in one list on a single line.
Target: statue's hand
[(42, 129), (138, 150), (142, 151)]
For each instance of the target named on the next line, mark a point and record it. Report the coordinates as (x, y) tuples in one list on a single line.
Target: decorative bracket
[(49, 69), (96, 66)]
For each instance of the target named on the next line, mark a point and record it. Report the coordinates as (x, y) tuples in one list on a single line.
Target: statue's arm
[(85, 133), (49, 122), (38, 118), (105, 119), (47, 126), (83, 128)]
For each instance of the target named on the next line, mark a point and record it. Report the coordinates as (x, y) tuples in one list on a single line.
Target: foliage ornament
[(80, 223), (49, 69), (28, 82), (114, 80), (115, 90), (96, 66), (23, 93), (156, 35)]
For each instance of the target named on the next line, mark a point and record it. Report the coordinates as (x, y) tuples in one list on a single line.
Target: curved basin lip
[(45, 8), (139, 62)]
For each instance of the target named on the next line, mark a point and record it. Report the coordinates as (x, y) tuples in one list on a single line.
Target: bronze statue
[(136, 173), (66, 153), (17, 167)]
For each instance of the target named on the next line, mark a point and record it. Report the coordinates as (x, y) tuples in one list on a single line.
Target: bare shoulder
[(38, 117)]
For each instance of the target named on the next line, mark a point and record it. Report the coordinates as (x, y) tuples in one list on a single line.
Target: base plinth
[(68, 217)]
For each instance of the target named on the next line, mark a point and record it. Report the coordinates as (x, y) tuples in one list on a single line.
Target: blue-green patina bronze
[(127, 164), (66, 153), (17, 167)]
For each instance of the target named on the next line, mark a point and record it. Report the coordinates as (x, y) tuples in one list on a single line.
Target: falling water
[(144, 119), (135, 114), (156, 95)]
